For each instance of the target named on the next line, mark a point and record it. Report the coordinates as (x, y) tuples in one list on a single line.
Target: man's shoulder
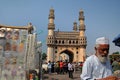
[(91, 57)]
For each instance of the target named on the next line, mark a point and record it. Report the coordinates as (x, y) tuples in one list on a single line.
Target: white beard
[(102, 59)]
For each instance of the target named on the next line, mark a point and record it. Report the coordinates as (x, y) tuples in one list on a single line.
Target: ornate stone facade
[(70, 45)]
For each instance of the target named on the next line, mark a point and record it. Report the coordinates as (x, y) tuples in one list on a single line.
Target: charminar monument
[(66, 45)]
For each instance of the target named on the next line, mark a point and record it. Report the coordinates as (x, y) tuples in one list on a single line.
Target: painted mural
[(12, 54)]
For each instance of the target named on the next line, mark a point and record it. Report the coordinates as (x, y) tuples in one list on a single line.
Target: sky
[(102, 17)]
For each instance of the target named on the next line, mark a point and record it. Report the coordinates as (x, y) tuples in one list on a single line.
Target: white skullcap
[(102, 40)]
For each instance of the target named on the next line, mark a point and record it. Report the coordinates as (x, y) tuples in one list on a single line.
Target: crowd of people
[(63, 67), (60, 67)]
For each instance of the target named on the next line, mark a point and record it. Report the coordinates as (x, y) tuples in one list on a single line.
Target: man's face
[(102, 52)]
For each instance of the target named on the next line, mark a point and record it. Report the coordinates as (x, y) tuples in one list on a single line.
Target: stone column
[(50, 56), (81, 55)]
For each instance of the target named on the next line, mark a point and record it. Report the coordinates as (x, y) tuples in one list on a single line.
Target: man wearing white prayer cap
[(102, 40), (97, 66)]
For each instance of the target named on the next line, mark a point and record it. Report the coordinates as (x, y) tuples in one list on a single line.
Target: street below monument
[(54, 76)]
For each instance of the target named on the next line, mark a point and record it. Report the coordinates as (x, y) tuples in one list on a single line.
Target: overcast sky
[(102, 17)]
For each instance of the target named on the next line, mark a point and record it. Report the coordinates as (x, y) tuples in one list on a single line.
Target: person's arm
[(87, 71), (109, 78)]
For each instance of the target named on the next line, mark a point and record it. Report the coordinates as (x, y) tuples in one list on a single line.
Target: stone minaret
[(75, 26), (82, 25), (50, 38), (82, 37)]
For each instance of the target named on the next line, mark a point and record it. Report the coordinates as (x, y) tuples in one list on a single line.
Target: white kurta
[(94, 69)]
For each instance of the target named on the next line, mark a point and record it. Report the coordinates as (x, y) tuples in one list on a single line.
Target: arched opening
[(66, 55)]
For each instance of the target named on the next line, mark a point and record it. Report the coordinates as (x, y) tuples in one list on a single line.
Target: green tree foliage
[(116, 52), (44, 56), (114, 55)]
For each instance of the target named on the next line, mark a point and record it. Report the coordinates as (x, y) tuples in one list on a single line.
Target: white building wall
[(31, 51)]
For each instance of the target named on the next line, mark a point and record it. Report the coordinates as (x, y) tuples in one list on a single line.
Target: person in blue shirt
[(97, 66), (49, 67)]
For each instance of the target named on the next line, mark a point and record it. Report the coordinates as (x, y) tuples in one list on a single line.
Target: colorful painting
[(13, 55)]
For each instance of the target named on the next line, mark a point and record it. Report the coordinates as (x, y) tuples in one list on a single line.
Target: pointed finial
[(81, 10), (81, 15), (51, 14), (75, 26), (51, 8)]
